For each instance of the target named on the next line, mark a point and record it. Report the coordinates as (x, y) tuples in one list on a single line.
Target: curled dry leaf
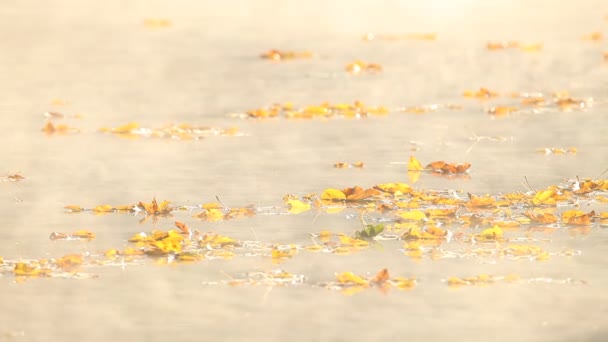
[(447, 168)]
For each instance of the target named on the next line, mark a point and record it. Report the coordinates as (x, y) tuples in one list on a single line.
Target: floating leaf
[(106, 208), (447, 168), (480, 201), (278, 55), (70, 262), (210, 215), (351, 278), (369, 232), (491, 234), (577, 217), (414, 215), (27, 270), (414, 164), (182, 227), (359, 66), (296, 206), (381, 277), (544, 218), (333, 195), (544, 197), (153, 208)]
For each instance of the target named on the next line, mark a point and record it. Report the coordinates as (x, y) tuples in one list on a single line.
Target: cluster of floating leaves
[(325, 110), (177, 132), (181, 131), (430, 224), (529, 102)]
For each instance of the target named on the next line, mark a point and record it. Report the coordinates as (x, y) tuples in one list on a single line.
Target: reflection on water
[(107, 67)]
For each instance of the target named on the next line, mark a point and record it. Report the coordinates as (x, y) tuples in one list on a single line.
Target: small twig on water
[(528, 184)]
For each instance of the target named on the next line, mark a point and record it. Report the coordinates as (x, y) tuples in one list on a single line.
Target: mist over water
[(112, 70)]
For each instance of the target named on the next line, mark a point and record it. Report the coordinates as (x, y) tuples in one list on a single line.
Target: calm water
[(112, 69)]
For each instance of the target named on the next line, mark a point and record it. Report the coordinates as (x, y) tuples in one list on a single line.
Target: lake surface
[(106, 65)]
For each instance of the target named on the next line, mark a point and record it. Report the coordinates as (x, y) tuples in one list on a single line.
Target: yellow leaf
[(106, 208), (74, 208), (111, 253), (279, 254), (333, 195), (70, 262), (404, 283), (414, 215), (84, 234), (454, 281), (297, 206), (349, 241), (211, 215), (414, 164), (544, 197), (212, 205), (125, 128), (325, 235), (491, 234), (351, 278), (24, 269), (392, 188)]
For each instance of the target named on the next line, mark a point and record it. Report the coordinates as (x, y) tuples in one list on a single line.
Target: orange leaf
[(381, 277), (480, 202), (183, 227), (577, 217)]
